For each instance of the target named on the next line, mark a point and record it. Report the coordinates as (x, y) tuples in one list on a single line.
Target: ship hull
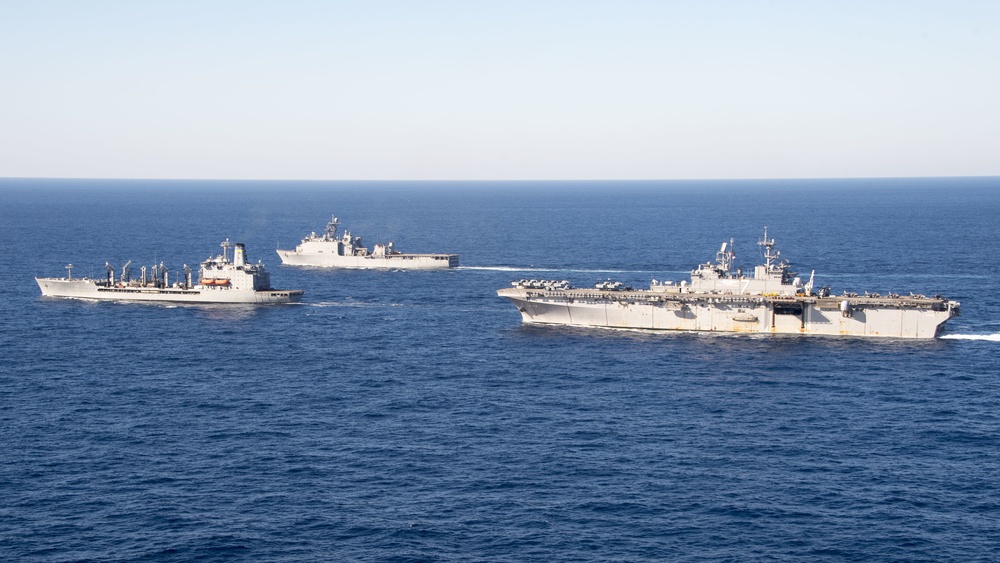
[(391, 262), (89, 289), (734, 314)]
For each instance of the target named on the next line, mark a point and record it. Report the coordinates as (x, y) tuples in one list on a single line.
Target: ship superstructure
[(719, 298), (220, 280), (331, 250)]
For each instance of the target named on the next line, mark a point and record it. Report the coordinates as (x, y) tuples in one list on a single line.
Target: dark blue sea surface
[(409, 416)]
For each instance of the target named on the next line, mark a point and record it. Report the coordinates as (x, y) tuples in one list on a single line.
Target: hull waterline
[(719, 298), (330, 250), (222, 280)]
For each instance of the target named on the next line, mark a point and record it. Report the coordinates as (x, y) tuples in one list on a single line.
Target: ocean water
[(409, 416)]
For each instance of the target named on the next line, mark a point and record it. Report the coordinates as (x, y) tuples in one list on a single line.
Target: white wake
[(506, 269), (990, 337)]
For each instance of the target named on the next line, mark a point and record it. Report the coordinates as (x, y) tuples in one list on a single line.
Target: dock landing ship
[(346, 251), (220, 280), (719, 298)]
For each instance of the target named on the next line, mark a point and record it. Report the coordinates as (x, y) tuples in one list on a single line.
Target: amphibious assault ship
[(220, 280), (719, 298), (346, 251)]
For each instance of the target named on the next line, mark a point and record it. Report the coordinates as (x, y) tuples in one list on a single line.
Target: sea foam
[(990, 337)]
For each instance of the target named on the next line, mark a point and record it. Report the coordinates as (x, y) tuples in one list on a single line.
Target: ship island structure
[(719, 298), (329, 250), (220, 280)]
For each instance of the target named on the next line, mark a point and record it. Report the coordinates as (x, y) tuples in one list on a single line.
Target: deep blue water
[(408, 416)]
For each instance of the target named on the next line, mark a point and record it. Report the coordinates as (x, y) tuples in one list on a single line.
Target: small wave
[(989, 337), (353, 304)]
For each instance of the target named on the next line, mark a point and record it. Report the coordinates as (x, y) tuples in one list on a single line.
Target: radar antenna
[(768, 244), (725, 257), (331, 228)]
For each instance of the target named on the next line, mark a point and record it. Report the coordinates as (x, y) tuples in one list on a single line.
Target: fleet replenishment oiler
[(220, 280), (719, 298)]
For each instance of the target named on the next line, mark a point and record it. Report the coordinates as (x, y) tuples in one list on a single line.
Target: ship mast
[(331, 228), (768, 244), (725, 257)]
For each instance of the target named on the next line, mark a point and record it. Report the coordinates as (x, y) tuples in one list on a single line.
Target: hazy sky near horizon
[(508, 90)]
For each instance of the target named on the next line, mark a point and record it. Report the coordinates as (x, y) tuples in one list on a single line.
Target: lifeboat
[(207, 281)]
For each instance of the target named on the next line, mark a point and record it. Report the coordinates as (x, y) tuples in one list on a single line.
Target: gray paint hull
[(391, 262), (89, 289), (892, 318)]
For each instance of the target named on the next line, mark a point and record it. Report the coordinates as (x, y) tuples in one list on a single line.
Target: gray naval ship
[(721, 299), (346, 251), (220, 280)]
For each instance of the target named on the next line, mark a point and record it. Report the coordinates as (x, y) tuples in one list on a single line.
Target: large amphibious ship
[(720, 298), (347, 251), (220, 280)]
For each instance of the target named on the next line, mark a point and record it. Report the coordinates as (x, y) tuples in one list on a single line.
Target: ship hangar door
[(909, 324), (784, 313)]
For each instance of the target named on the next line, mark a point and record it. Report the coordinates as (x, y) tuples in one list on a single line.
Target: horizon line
[(485, 180)]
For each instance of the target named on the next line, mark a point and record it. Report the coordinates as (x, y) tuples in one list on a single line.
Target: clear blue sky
[(499, 90)]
